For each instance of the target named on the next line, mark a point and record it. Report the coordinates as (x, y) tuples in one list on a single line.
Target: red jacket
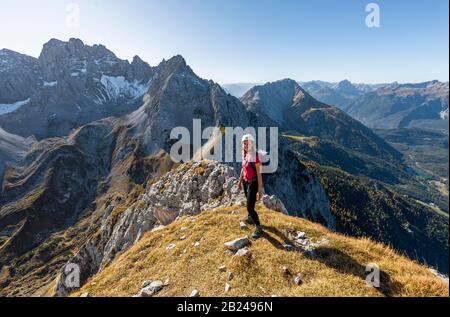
[(248, 171)]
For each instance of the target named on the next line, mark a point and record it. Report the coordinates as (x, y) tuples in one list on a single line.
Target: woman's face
[(245, 145)]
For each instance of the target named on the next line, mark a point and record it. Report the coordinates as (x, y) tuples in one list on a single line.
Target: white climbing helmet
[(248, 137)]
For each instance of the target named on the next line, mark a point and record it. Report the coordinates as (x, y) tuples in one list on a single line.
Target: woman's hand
[(259, 195), (239, 185)]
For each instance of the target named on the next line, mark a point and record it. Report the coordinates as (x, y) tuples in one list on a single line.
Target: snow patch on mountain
[(117, 87), (7, 108), (50, 84), (444, 114)]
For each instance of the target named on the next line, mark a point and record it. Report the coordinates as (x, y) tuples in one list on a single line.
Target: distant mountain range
[(339, 94), (84, 135), (381, 106), (238, 89), (422, 105)]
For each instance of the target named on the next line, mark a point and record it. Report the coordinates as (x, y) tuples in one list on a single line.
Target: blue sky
[(250, 40)]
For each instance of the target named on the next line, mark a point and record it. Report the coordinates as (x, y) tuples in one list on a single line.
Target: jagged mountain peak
[(60, 52), (292, 109), (174, 64), (71, 84), (275, 98), (347, 88), (344, 84), (6, 55), (137, 60), (284, 91), (285, 83), (8, 52)]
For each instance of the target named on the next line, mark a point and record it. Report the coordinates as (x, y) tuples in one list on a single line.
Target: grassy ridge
[(337, 270)]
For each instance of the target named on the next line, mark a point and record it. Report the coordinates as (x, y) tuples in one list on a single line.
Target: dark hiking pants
[(250, 190)]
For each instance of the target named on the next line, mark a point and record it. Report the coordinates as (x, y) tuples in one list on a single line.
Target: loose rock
[(194, 293), (243, 225), (238, 244), (222, 269), (244, 253), (152, 289), (145, 284), (288, 247), (227, 288), (286, 271), (171, 247), (230, 276), (298, 280), (158, 228)]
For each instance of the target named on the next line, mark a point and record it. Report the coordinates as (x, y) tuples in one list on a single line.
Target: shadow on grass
[(339, 261), (277, 244), (343, 263)]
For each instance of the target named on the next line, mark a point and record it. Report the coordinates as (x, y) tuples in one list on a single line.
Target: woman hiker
[(251, 181)]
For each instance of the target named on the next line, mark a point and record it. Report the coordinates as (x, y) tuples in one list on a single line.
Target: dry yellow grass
[(339, 269)]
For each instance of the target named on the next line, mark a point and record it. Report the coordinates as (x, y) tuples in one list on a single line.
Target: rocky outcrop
[(299, 190), (48, 189), (188, 190), (13, 148), (19, 77)]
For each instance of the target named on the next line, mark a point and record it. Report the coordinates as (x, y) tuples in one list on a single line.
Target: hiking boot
[(248, 220), (258, 232)]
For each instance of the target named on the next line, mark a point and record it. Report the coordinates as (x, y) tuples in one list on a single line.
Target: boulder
[(273, 203), (244, 253), (238, 244), (151, 289)]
